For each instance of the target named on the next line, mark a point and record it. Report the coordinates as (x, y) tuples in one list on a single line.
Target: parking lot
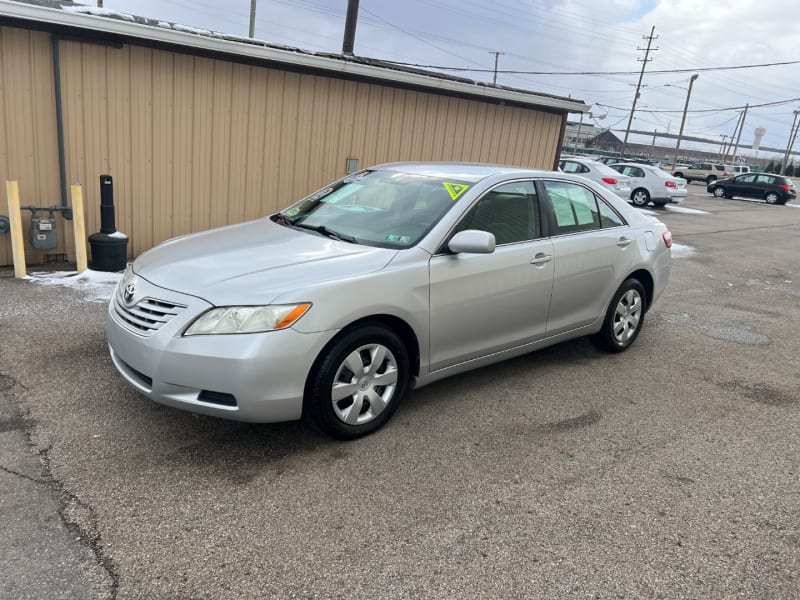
[(669, 471)]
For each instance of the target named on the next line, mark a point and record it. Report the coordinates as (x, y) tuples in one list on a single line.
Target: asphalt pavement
[(668, 471)]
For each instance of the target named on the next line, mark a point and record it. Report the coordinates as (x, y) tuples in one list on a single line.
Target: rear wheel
[(624, 318), (357, 382), (710, 179), (640, 197), (719, 191), (679, 174), (772, 198)]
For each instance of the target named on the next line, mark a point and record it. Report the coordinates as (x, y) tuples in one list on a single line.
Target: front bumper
[(256, 377)]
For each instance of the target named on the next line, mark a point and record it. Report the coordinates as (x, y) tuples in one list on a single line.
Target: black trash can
[(109, 251)]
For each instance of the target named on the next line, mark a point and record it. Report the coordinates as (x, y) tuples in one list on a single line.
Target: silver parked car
[(597, 172), (652, 184), (383, 281)]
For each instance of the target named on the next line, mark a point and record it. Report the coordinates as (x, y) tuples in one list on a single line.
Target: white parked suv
[(651, 184), (598, 172), (706, 172)]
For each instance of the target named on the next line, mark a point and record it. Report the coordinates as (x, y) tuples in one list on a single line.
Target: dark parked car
[(772, 188)]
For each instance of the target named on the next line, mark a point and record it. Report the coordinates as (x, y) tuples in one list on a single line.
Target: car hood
[(254, 262)]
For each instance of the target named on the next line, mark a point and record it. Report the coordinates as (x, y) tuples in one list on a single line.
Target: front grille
[(147, 316)]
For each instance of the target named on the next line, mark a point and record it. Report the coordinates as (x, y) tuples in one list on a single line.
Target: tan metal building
[(200, 130)]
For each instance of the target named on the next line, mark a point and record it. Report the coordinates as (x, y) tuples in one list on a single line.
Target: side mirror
[(472, 241)]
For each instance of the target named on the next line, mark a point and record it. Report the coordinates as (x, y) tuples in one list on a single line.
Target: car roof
[(472, 172)]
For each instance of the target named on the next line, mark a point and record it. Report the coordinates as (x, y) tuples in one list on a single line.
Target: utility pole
[(683, 119), (252, 19), (644, 61), (733, 135), (99, 3), (792, 136), (741, 128), (496, 59), (351, 20), (722, 145)]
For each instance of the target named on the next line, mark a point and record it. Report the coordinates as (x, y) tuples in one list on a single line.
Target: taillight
[(667, 237), (784, 187), (670, 184), (724, 173), (610, 180)]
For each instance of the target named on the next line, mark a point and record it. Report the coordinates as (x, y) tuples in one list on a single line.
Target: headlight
[(247, 319)]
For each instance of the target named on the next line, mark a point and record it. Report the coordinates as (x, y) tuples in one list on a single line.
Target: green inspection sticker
[(455, 189), (398, 239)]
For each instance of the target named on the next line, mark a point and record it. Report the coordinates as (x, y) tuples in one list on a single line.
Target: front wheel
[(357, 382), (640, 197), (624, 318), (719, 191), (772, 198)]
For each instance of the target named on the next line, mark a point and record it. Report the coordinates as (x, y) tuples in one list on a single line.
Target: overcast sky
[(558, 35)]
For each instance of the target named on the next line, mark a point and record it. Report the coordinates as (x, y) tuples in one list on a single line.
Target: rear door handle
[(541, 258), (624, 242)]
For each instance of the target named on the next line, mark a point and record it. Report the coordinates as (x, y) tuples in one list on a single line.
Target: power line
[(655, 72), (712, 110)]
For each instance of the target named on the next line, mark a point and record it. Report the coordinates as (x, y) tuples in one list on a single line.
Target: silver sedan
[(386, 280)]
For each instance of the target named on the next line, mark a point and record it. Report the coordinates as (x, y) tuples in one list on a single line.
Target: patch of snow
[(792, 205), (97, 286), (682, 251), (685, 210), (119, 235), (187, 29), (99, 12), (164, 25)]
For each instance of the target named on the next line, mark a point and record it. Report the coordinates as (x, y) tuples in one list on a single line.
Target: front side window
[(575, 208), (509, 211), (746, 179), (377, 208)]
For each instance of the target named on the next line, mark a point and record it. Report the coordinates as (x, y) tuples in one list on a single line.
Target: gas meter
[(44, 235)]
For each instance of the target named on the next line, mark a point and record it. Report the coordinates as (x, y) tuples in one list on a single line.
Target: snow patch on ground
[(682, 251), (685, 210), (96, 286)]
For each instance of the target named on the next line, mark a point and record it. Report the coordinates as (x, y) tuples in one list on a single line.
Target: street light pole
[(683, 119), (792, 134)]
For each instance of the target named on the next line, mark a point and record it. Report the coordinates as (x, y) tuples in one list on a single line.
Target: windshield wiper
[(328, 232)]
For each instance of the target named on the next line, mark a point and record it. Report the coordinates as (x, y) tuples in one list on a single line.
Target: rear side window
[(575, 208), (719, 167), (572, 167), (765, 179)]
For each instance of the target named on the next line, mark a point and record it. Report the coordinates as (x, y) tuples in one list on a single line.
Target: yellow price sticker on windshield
[(455, 189)]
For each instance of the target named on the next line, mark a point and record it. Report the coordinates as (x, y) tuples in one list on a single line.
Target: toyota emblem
[(127, 295)]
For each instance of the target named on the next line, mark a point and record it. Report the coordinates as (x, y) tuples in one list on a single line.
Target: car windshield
[(376, 208)]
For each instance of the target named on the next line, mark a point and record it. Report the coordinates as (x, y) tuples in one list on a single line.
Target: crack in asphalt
[(23, 476), (66, 498)]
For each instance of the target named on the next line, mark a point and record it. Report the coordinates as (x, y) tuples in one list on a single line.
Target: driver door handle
[(623, 242), (541, 258)]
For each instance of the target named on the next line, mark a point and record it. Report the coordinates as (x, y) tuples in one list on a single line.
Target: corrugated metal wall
[(194, 143)]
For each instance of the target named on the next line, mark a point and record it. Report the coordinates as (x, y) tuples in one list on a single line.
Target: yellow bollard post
[(15, 218), (79, 227)]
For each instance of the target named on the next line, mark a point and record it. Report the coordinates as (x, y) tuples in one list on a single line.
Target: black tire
[(719, 192), (660, 204), (367, 413), (640, 197), (624, 318), (679, 174), (772, 198), (710, 179)]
